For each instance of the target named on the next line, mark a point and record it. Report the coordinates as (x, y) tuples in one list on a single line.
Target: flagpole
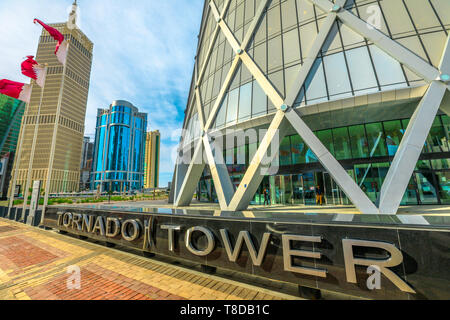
[(33, 148), (18, 155), (55, 131)]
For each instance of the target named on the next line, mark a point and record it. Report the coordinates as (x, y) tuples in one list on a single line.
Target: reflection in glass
[(388, 70), (245, 101), (341, 143), (394, 134), (358, 141), (375, 136), (285, 152), (427, 189), (315, 84), (259, 100), (337, 76), (361, 71)]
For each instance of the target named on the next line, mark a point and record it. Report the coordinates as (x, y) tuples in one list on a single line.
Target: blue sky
[(143, 52)]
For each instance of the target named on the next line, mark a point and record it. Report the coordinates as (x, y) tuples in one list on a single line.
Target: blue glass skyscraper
[(119, 148)]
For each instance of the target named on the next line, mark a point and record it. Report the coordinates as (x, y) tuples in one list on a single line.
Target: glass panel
[(436, 140), (422, 14), (259, 100), (291, 46), (440, 164), (394, 134), (232, 105), (444, 186), (315, 84), (388, 70), (277, 79), (410, 196), (119, 146), (327, 139), (273, 20), (309, 188), (370, 178), (220, 119), (375, 137), (396, 16), (427, 189), (443, 10), (358, 141), (308, 34), (289, 14), (290, 75), (285, 152), (337, 75), (361, 70), (297, 189), (275, 56), (245, 101), (435, 43), (300, 151), (341, 144)]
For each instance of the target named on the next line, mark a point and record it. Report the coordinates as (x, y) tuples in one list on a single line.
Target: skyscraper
[(118, 163), (86, 163), (64, 106), (355, 90), (151, 165), (11, 113)]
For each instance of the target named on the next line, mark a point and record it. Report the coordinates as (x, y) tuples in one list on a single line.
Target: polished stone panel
[(423, 243)]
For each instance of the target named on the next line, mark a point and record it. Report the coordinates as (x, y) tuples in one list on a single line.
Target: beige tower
[(151, 164), (64, 106)]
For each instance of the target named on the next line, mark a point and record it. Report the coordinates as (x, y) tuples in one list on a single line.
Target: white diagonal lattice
[(405, 159)]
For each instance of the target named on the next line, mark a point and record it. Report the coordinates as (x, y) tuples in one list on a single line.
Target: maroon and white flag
[(34, 70), (62, 45), (16, 90)]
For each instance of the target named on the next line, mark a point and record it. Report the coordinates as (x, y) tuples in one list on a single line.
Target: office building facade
[(87, 153), (152, 156), (119, 148), (64, 106), (341, 83), (11, 113)]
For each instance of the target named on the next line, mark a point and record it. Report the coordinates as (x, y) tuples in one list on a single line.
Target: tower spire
[(73, 14)]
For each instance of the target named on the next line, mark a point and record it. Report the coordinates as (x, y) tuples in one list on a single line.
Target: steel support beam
[(411, 146)]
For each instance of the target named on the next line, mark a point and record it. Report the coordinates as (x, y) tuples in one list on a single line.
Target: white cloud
[(143, 52)]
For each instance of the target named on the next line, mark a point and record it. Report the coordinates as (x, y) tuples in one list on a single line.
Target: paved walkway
[(34, 264)]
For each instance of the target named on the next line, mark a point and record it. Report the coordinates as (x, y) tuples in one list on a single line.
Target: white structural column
[(186, 173), (219, 172), (254, 175), (411, 146)]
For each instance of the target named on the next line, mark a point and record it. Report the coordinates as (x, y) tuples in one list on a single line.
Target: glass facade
[(365, 151), (350, 74), (119, 148), (11, 114), (348, 64)]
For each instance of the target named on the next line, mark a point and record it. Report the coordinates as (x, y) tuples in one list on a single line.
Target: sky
[(143, 52)]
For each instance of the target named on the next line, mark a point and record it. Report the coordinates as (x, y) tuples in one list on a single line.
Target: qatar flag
[(34, 70), (62, 46), (16, 90)]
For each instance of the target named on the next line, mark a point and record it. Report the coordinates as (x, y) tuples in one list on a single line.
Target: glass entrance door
[(298, 195), (309, 188)]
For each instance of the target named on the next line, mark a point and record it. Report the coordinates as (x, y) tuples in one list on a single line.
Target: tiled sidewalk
[(34, 264)]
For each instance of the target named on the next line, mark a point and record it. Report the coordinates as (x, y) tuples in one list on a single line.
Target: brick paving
[(35, 265)]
